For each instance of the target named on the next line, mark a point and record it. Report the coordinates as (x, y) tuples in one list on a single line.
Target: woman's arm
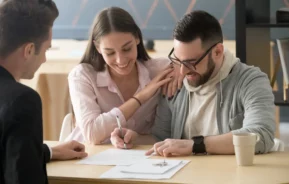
[(95, 125)]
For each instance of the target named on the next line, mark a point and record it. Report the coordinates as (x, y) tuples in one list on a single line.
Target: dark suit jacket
[(23, 155)]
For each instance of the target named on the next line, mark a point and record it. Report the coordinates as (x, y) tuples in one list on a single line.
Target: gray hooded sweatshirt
[(245, 103)]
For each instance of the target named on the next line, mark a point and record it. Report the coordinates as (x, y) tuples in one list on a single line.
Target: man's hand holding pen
[(129, 136)]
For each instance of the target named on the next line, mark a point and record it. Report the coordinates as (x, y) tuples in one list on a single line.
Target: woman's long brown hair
[(109, 20)]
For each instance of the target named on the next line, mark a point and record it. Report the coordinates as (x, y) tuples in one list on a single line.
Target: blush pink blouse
[(95, 99)]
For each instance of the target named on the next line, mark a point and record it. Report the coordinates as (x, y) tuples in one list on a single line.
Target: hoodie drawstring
[(221, 102)]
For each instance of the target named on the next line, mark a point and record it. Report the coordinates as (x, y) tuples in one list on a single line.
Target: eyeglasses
[(190, 64)]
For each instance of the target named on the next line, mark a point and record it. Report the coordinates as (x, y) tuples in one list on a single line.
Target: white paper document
[(151, 166), (117, 172), (115, 157)]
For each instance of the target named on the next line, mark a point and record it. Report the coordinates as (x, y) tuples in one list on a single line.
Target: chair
[(278, 145), (67, 127)]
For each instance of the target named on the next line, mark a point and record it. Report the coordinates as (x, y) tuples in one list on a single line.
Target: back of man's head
[(199, 24), (25, 21)]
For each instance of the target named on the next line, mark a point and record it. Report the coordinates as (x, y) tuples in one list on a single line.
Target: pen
[(120, 129)]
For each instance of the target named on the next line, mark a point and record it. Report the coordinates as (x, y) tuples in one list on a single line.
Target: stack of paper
[(134, 164), (146, 170)]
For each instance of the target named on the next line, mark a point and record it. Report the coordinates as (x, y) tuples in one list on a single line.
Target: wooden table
[(268, 168)]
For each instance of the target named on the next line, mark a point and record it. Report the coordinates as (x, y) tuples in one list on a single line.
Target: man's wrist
[(55, 153), (207, 143), (51, 152)]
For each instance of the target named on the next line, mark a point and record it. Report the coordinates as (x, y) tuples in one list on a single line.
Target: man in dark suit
[(25, 35)]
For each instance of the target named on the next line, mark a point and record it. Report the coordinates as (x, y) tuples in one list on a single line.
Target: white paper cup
[(244, 145)]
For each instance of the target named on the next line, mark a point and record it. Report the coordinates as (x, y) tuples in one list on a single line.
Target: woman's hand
[(173, 87), (129, 138), (154, 85)]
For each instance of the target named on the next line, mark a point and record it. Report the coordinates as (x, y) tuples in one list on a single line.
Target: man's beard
[(202, 79)]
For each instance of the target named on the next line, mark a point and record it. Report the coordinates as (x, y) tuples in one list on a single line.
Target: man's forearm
[(220, 144)]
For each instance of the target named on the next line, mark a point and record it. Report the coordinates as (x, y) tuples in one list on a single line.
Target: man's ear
[(96, 47), (29, 50), (219, 50)]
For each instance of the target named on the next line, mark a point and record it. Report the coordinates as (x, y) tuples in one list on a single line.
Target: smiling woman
[(115, 77), (119, 51)]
